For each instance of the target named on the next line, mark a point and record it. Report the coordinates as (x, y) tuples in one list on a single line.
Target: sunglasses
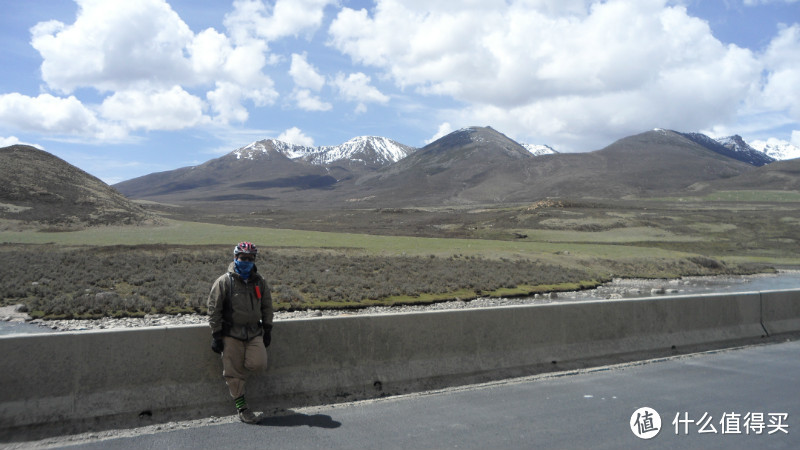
[(246, 258)]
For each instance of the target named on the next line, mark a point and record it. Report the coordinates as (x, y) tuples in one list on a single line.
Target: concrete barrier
[(68, 382), (781, 311)]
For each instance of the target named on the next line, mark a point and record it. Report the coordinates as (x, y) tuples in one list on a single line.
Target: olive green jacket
[(241, 318)]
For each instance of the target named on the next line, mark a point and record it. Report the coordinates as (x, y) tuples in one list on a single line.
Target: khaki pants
[(239, 360)]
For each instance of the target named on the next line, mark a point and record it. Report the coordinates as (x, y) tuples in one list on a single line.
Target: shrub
[(136, 280)]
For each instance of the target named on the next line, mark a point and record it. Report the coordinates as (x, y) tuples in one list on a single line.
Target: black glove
[(216, 343), (267, 335)]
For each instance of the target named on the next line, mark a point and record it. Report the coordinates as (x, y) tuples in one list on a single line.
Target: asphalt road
[(754, 391)]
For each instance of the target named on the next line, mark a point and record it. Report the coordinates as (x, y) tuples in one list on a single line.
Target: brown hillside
[(777, 176), (38, 190)]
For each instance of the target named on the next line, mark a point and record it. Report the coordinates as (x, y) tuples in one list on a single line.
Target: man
[(240, 315)]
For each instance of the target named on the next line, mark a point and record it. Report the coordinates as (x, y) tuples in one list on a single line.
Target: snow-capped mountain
[(539, 149), (371, 151), (732, 147), (777, 149), (743, 151)]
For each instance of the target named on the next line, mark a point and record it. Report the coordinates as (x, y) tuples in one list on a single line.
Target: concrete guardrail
[(58, 383)]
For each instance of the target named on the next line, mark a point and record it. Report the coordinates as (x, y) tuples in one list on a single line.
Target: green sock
[(241, 403)]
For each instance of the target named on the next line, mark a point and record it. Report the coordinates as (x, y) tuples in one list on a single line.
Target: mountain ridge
[(733, 146), (369, 151), (467, 166)]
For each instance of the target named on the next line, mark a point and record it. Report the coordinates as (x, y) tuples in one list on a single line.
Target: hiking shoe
[(247, 416)]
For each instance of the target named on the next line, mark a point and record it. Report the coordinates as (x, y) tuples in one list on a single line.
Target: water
[(7, 328), (638, 288)]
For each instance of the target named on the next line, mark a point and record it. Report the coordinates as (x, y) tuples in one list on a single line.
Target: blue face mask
[(243, 268)]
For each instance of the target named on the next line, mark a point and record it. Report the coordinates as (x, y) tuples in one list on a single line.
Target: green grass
[(546, 244)]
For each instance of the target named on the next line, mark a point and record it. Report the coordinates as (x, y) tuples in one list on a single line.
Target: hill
[(777, 176), (471, 165), (647, 164), (38, 189)]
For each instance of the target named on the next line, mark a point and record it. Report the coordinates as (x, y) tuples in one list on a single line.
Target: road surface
[(746, 397)]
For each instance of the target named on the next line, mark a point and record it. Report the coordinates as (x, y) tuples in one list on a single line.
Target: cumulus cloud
[(357, 87), (571, 73), (782, 63), (172, 109), (307, 80), (227, 100), (55, 115), (309, 102), (576, 71), (296, 136), (155, 73), (114, 46), (254, 20), (304, 74)]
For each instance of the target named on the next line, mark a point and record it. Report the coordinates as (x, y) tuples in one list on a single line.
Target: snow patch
[(777, 148), (539, 149), (361, 149)]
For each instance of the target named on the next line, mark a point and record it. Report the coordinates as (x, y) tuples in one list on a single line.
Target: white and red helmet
[(245, 247)]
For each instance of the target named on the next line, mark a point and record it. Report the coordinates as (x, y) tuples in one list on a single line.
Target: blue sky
[(123, 89)]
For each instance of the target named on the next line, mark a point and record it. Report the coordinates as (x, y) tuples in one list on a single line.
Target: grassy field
[(356, 258), (540, 244)]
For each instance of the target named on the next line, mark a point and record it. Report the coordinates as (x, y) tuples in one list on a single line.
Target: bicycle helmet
[(245, 247)]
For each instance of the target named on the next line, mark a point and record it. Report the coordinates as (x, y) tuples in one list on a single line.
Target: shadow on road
[(294, 419)]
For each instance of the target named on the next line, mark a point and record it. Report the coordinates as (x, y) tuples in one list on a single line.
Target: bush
[(136, 280)]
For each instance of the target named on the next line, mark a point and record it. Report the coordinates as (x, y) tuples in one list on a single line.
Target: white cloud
[(54, 115), (142, 45), (155, 72), (304, 74), (9, 141), (782, 62), (172, 109), (309, 102), (356, 87), (114, 46), (296, 136), (227, 100), (307, 79), (579, 72), (444, 129), (255, 20), (796, 137), (209, 53)]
